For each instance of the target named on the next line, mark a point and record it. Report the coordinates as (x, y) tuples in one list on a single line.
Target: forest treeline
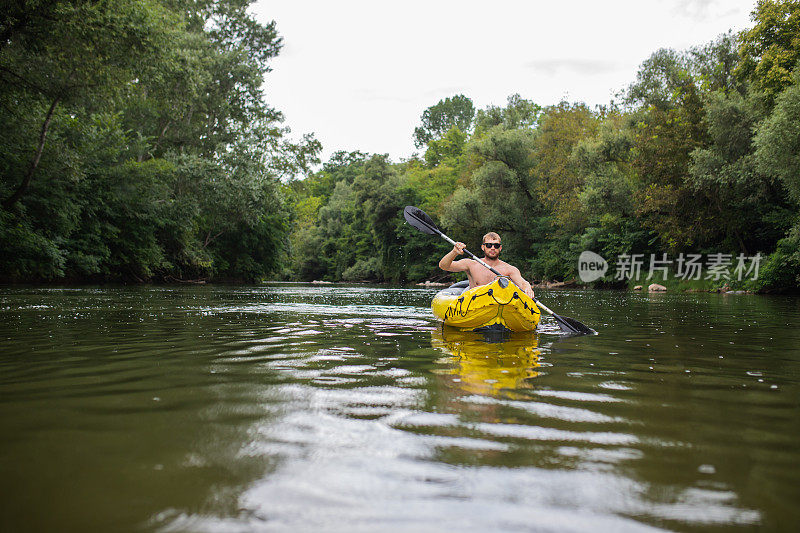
[(700, 155), (138, 145)]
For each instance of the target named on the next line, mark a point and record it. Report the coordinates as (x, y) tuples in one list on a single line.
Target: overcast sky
[(359, 74)]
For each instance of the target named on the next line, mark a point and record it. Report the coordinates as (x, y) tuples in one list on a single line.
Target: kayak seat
[(456, 288)]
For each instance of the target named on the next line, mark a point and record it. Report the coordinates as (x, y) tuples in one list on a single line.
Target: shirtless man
[(479, 274)]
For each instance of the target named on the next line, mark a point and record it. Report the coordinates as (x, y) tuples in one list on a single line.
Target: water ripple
[(348, 408)]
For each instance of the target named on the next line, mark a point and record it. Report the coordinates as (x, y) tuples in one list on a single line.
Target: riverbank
[(721, 286), (679, 286)]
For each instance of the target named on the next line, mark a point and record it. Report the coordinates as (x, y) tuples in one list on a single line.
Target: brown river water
[(292, 407)]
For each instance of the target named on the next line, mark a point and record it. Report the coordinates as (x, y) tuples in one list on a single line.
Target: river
[(299, 407)]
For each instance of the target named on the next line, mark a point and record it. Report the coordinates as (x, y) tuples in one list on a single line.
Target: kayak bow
[(499, 305)]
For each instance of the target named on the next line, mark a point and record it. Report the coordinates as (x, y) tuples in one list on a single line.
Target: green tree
[(662, 82), (501, 195), (338, 236), (770, 50), (561, 128), (518, 113), (746, 209), (667, 125), (777, 145), (453, 112), (447, 149), (86, 53), (778, 140), (154, 152), (714, 65), (610, 187)]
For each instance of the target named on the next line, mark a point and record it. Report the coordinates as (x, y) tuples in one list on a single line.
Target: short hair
[(491, 235)]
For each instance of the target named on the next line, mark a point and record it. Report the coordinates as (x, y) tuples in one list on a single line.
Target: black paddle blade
[(420, 220), (573, 326)]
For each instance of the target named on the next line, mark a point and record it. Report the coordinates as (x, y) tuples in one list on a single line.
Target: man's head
[(491, 245)]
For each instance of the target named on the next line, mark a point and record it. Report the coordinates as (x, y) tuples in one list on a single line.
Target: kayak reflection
[(488, 363)]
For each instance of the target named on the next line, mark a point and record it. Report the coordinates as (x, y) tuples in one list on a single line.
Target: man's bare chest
[(482, 275)]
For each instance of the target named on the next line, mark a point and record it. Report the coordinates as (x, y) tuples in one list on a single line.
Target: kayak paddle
[(420, 220)]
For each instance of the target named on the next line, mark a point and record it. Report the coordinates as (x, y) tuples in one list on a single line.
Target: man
[(479, 274)]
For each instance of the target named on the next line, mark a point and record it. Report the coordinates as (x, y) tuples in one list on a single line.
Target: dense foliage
[(701, 154), (138, 145), (137, 142)]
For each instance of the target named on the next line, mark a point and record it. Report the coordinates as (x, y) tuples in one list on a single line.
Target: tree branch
[(160, 138), (210, 239), (26, 181)]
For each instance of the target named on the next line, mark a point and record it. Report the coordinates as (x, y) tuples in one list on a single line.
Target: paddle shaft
[(470, 254)]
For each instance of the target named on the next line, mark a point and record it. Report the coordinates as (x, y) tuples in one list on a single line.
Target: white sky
[(360, 73)]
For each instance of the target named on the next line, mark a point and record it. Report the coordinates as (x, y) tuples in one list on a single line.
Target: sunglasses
[(492, 244)]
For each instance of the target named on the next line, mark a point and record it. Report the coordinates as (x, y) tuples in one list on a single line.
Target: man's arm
[(520, 282), (447, 262)]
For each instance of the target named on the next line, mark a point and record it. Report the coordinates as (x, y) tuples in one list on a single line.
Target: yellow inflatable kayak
[(500, 305)]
